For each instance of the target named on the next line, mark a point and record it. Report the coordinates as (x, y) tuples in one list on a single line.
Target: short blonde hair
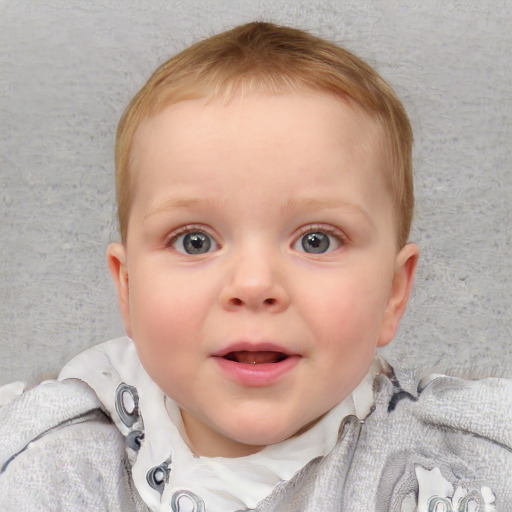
[(270, 58)]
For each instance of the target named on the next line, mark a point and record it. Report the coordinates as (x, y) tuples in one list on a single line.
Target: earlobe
[(405, 268), (116, 259)]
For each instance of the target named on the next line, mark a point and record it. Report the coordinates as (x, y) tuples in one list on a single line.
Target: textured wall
[(67, 68)]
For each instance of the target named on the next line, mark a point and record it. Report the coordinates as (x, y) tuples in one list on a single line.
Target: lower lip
[(257, 375)]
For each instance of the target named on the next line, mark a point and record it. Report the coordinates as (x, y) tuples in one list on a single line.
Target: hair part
[(267, 58)]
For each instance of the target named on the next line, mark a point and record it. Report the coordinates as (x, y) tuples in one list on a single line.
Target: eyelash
[(190, 228), (328, 230)]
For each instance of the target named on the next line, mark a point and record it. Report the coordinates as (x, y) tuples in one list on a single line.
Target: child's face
[(261, 269)]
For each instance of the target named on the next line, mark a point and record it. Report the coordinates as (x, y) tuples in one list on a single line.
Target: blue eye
[(317, 242), (194, 242)]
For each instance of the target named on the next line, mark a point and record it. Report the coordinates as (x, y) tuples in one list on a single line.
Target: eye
[(194, 242), (317, 242)]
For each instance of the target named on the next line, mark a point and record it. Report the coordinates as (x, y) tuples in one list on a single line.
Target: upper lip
[(247, 346)]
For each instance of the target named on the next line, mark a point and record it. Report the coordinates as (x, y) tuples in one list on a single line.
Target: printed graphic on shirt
[(436, 494)]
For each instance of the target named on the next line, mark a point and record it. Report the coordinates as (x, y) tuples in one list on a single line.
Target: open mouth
[(256, 365), (259, 357)]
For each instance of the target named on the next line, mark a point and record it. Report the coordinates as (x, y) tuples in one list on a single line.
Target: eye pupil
[(315, 242), (196, 243)]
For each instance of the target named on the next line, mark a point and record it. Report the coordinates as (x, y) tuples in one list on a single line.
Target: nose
[(255, 283)]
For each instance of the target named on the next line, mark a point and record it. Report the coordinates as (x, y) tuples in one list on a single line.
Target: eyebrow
[(325, 203), (179, 202)]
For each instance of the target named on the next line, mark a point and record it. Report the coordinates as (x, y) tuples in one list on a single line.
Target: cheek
[(167, 311), (347, 307), (345, 322), (166, 332)]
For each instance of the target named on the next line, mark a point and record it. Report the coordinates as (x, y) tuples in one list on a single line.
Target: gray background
[(67, 69)]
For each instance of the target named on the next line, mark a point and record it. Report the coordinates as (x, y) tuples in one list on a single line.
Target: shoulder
[(450, 439), (60, 451), (480, 407)]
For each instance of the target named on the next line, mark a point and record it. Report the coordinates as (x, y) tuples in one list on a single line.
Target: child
[(265, 197)]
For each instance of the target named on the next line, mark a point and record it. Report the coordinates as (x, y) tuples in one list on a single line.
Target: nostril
[(235, 301)]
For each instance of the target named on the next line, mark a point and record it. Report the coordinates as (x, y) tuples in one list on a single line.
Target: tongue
[(247, 357)]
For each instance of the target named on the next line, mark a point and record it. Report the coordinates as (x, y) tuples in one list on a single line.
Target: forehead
[(314, 121)]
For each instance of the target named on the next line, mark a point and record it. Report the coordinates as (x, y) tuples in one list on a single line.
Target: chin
[(262, 433)]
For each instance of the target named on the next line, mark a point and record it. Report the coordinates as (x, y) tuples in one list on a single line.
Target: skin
[(255, 176)]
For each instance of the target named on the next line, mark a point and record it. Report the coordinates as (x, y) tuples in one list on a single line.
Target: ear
[(405, 268), (116, 259)]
